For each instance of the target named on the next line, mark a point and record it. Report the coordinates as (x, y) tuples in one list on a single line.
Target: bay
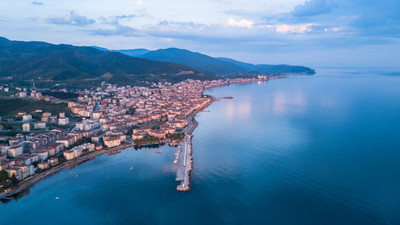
[(322, 149)]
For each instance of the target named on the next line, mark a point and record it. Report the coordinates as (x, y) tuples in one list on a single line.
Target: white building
[(63, 121), (15, 151), (39, 125), (26, 127), (26, 117)]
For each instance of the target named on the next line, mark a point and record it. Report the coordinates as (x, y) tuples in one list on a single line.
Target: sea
[(320, 149)]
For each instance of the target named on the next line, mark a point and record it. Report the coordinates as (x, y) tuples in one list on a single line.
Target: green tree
[(14, 179), (3, 176)]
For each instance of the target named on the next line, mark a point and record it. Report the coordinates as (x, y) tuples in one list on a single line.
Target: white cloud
[(139, 2), (296, 28), (240, 23)]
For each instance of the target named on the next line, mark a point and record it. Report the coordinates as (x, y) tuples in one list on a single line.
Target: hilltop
[(61, 63)]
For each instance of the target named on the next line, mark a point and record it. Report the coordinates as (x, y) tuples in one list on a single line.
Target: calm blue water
[(321, 149)]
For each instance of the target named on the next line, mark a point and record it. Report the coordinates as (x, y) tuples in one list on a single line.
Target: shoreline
[(23, 185), (72, 163), (184, 158)]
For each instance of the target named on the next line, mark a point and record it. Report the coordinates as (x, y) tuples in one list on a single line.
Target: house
[(63, 121), (157, 133), (15, 171), (3, 157), (43, 165), (53, 119), (67, 141), (39, 125), (58, 147), (26, 127), (46, 114), (42, 155), (138, 135), (3, 165), (22, 94), (53, 161), (111, 141), (69, 155), (15, 151), (26, 117)]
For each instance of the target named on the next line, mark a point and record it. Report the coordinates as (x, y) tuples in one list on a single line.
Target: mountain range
[(211, 65), (66, 63)]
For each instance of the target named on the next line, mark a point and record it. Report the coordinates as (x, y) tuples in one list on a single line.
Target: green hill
[(44, 61)]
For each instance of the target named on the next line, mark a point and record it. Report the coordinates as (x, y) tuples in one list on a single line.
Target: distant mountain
[(131, 52), (263, 68), (134, 52), (211, 65), (40, 60), (201, 62)]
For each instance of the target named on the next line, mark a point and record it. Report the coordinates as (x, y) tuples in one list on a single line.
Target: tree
[(14, 179), (131, 111), (3, 176)]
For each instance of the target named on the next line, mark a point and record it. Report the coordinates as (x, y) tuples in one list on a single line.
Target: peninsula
[(107, 119)]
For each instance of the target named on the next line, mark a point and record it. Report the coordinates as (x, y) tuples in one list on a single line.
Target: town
[(110, 117)]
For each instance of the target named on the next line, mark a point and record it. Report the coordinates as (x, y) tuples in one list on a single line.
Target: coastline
[(72, 163), (192, 125)]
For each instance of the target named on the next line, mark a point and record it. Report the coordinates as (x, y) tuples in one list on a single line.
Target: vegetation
[(3, 177), (61, 95), (176, 136), (154, 125), (131, 111), (14, 180), (65, 63), (147, 141), (12, 106)]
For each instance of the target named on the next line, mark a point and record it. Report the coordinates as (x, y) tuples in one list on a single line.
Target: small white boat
[(131, 168), (57, 198), (76, 175)]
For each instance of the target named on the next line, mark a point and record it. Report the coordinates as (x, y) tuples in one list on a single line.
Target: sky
[(316, 33)]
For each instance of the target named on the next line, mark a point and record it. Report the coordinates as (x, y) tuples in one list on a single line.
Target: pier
[(184, 159)]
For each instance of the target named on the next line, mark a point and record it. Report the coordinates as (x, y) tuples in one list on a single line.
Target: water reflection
[(294, 102), (238, 110)]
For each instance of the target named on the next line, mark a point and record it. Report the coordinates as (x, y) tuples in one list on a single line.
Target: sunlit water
[(321, 149)]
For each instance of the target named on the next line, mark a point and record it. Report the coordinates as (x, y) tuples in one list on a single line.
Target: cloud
[(313, 8), (297, 28), (139, 2), (118, 29), (71, 19), (240, 23), (126, 16), (37, 3)]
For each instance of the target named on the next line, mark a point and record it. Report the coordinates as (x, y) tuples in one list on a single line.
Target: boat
[(131, 168), (57, 198)]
